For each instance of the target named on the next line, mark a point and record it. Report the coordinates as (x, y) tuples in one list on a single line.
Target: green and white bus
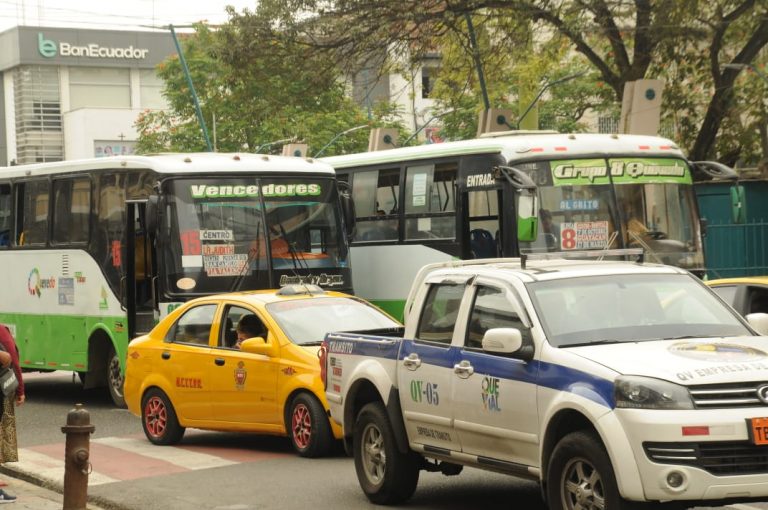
[(95, 252), (460, 200)]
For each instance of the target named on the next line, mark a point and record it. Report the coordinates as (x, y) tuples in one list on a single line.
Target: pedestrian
[(8, 445)]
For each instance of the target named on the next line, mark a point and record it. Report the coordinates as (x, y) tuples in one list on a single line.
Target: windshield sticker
[(252, 190), (67, 291), (323, 280), (419, 190), (583, 235), (623, 171), (234, 264), (217, 235), (579, 205), (218, 249), (186, 283)]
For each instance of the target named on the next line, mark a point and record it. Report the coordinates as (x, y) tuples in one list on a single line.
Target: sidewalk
[(31, 493)]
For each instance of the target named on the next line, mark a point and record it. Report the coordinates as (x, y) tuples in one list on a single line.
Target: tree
[(622, 40), (255, 85)]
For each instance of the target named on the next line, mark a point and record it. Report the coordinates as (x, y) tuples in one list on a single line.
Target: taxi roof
[(746, 280), (266, 296)]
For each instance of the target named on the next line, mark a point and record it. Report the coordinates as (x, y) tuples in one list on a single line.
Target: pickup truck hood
[(689, 361)]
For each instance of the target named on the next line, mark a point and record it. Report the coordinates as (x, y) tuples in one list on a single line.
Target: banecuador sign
[(50, 49)]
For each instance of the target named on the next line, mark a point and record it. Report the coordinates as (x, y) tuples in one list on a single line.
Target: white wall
[(83, 126)]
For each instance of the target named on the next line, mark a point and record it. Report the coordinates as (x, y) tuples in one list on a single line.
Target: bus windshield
[(644, 203), (229, 234)]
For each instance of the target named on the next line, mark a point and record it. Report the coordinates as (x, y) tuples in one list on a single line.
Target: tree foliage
[(255, 86)]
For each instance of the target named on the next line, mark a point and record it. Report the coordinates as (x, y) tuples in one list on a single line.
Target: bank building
[(70, 93)]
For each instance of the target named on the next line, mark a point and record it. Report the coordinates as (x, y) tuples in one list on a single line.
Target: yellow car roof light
[(298, 289)]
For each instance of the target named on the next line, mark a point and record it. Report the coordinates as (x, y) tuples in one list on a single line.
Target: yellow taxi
[(747, 294), (191, 370)]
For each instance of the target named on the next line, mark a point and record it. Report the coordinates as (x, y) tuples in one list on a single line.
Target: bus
[(94, 252), (461, 200)]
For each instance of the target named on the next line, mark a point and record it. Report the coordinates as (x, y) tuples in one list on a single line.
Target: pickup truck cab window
[(492, 309), (438, 317)]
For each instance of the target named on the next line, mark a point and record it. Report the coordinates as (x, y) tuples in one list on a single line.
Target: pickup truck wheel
[(158, 418), (386, 475), (308, 427), (581, 477)]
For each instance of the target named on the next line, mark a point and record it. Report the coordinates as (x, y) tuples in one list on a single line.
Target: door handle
[(219, 362), (412, 361), (464, 369), (166, 355)]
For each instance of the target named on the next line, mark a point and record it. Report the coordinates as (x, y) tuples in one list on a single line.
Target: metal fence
[(737, 250)]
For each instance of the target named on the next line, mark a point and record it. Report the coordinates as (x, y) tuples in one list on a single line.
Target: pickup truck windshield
[(307, 321), (630, 308)]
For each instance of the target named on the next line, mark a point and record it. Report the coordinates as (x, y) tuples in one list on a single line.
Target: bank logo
[(46, 47)]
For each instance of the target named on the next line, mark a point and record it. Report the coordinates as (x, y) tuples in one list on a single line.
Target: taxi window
[(492, 309), (194, 326), (727, 292), (228, 330)]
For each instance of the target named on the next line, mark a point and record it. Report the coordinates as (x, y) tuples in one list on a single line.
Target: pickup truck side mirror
[(758, 321), (257, 345), (507, 341)]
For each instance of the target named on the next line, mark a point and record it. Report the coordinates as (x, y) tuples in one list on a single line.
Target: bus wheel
[(386, 475), (158, 418), (308, 427), (115, 378)]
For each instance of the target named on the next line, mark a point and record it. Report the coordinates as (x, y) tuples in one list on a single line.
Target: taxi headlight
[(634, 392)]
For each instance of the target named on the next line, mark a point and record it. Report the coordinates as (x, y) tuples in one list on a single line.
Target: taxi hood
[(689, 361)]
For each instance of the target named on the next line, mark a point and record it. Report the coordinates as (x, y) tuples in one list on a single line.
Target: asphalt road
[(237, 471)]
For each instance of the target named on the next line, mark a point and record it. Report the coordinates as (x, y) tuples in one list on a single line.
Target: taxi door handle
[(463, 369), (412, 361), (219, 361), (166, 355)]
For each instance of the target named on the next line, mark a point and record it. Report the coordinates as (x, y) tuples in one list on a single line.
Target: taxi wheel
[(580, 476), (308, 427), (386, 475), (158, 418)]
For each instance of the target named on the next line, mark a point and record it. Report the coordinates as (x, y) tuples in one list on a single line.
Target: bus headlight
[(635, 392)]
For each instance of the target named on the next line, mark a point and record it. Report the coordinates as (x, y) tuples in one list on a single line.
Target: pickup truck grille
[(726, 396), (720, 458)]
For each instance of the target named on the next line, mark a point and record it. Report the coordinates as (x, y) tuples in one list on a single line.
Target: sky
[(115, 14)]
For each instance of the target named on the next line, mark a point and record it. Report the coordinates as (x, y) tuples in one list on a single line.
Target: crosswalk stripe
[(51, 469), (178, 456)]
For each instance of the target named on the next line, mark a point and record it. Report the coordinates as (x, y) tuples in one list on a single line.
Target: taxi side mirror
[(257, 345)]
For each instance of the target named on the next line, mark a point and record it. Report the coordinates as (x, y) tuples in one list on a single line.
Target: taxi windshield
[(631, 308), (307, 321)]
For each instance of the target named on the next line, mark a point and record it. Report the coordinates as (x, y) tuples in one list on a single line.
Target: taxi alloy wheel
[(308, 427), (158, 418), (386, 475)]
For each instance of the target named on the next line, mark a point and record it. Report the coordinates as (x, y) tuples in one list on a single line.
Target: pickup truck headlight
[(634, 392)]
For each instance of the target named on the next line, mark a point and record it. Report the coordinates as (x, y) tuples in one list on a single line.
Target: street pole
[(199, 112)]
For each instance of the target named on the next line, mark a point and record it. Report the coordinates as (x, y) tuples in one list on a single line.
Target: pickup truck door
[(425, 370), (494, 395)]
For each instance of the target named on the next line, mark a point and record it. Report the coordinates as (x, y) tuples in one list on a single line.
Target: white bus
[(94, 252), (459, 200)]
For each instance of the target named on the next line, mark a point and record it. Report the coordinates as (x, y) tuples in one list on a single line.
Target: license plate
[(758, 430)]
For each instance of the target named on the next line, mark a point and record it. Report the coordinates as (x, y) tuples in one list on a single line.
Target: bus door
[(138, 289), (480, 223)]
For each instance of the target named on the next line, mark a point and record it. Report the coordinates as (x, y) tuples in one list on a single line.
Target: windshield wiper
[(312, 344), (606, 341)]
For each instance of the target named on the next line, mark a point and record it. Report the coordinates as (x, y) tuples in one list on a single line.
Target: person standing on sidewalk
[(8, 445)]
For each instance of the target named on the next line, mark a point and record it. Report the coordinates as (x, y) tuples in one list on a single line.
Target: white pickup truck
[(613, 384)]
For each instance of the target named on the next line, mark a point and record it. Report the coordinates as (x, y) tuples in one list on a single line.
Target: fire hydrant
[(76, 455)]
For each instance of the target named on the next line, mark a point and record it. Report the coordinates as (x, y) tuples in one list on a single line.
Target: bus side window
[(32, 206), (5, 215)]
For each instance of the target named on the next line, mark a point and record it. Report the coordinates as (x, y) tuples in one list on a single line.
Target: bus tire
[(158, 419), (308, 427), (115, 379), (580, 475), (386, 475)]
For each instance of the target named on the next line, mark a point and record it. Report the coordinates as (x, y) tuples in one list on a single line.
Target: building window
[(427, 81), (99, 87), (38, 114), (151, 90)]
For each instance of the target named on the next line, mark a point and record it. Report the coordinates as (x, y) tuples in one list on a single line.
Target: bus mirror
[(347, 207), (151, 213), (527, 219), (738, 204)]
